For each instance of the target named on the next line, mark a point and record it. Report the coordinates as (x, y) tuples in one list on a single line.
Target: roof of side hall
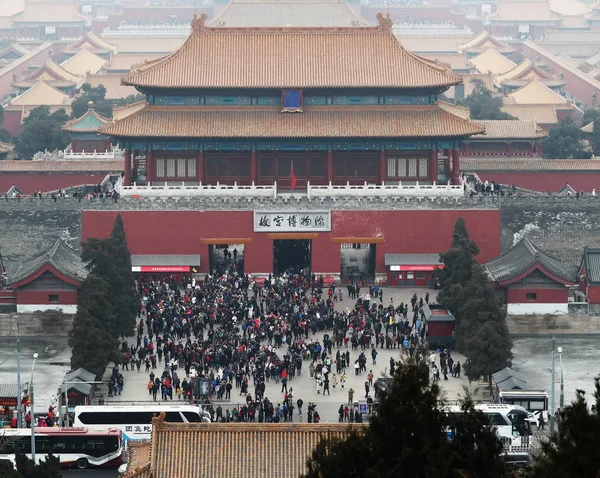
[(292, 57)]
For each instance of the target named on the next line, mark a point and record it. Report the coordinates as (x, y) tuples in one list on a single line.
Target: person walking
[(367, 388), (326, 386), (350, 396)]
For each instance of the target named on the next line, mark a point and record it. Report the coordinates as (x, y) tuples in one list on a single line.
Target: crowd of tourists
[(241, 334)]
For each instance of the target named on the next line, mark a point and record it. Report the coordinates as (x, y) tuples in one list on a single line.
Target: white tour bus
[(534, 401), (510, 421), (75, 447), (135, 421)]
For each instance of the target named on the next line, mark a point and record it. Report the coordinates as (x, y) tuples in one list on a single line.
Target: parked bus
[(75, 447), (534, 401), (135, 421), (510, 421)]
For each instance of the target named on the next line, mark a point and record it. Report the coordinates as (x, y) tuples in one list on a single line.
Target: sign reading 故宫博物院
[(306, 221)]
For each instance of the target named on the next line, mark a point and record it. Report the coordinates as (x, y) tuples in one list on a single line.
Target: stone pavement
[(304, 387)]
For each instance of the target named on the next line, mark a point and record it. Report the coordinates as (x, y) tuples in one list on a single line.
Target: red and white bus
[(75, 447)]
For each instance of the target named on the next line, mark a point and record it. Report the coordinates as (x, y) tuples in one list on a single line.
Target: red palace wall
[(441, 329), (593, 294), (404, 232), (65, 297), (12, 122), (542, 181), (544, 295), (29, 183)]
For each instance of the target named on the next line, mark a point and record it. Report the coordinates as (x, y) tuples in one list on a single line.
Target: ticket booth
[(411, 270)]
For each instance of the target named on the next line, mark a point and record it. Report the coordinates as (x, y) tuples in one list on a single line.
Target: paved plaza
[(135, 390)]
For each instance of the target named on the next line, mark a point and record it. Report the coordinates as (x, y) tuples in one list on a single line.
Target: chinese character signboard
[(311, 221)]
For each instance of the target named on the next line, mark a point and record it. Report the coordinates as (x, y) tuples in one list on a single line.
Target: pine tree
[(408, 437), (129, 303), (110, 260), (92, 344), (573, 449), (458, 265)]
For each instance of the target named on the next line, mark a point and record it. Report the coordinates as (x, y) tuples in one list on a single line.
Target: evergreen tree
[(564, 142), (95, 94), (573, 450), (484, 105), (92, 344), (42, 130), (408, 437), (458, 265), (110, 260), (47, 468)]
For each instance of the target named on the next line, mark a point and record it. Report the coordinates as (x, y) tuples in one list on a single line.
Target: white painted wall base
[(29, 308), (536, 308)]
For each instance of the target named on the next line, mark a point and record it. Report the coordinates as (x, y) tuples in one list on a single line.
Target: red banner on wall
[(428, 267), (161, 269)]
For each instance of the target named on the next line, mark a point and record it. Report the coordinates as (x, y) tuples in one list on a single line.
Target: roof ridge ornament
[(199, 23), (385, 22)]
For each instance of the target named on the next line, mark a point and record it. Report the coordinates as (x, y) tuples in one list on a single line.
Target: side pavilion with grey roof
[(531, 280), (411, 270), (588, 275), (49, 281), (79, 388)]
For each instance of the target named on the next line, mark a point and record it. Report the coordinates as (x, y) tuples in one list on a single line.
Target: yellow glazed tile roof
[(491, 60), (292, 57), (482, 42), (42, 94), (270, 122), (510, 129), (542, 114), (39, 11), (115, 90), (535, 92), (84, 61)]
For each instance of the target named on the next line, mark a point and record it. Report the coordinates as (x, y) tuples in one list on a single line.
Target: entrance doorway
[(291, 255), (358, 262), (223, 256)]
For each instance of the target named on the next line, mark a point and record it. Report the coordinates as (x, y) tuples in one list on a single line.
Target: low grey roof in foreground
[(165, 259), (412, 259)]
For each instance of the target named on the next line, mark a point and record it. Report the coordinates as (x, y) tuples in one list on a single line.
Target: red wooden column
[(330, 167), (531, 149), (508, 148), (455, 166), (127, 168), (200, 167), (253, 167), (382, 166), (434, 166), (149, 167)]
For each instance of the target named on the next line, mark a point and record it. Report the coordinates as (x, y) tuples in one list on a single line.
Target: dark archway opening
[(291, 255), (358, 262), (225, 256)]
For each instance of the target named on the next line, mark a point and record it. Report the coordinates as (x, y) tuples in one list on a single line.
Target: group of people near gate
[(239, 335)]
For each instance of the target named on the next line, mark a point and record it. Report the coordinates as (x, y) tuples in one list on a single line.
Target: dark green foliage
[(41, 131), (408, 438), (573, 450), (458, 261), (130, 99), (590, 115), (48, 468), (92, 342), (484, 105), (97, 96), (564, 142), (108, 303), (481, 331)]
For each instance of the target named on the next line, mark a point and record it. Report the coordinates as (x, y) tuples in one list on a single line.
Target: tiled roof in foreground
[(240, 450), (514, 129), (270, 122), (292, 57)]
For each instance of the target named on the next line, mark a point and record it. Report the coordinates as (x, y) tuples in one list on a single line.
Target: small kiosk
[(411, 270), (8, 405), (440, 326)]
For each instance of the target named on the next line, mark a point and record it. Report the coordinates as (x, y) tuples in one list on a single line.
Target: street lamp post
[(66, 392), (19, 391), (35, 356), (562, 380), (552, 411)]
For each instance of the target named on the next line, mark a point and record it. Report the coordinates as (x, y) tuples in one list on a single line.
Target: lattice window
[(401, 168), (181, 167), (160, 168), (391, 167), (423, 167), (170, 167), (412, 167), (191, 167)]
